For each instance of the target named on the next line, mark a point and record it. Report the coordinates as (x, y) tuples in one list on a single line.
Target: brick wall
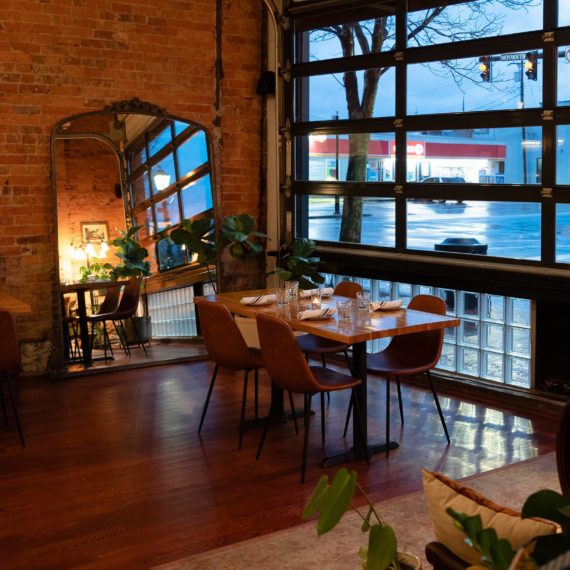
[(62, 57)]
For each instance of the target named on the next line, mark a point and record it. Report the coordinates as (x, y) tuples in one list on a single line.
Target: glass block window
[(492, 342)]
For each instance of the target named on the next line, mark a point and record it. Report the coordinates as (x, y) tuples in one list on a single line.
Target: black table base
[(352, 455)]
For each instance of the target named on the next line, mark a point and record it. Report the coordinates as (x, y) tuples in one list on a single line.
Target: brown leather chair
[(109, 305), (315, 345), (9, 367), (227, 348), (410, 354), (288, 369)]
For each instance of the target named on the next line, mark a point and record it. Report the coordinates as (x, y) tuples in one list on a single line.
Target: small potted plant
[(300, 264), (332, 501)]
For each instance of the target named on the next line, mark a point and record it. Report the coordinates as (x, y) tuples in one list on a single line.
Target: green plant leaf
[(486, 538), (337, 500), (472, 526), (549, 547), (382, 547), (546, 504), (316, 499), (502, 554), (366, 523)]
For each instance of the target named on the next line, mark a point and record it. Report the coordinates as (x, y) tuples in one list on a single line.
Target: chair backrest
[(222, 337), (563, 451), (348, 289), (423, 348), (282, 356), (111, 301), (9, 350), (130, 300)]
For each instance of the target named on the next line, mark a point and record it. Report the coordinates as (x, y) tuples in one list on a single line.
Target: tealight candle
[(316, 299)]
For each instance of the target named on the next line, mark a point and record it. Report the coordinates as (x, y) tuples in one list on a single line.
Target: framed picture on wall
[(95, 232)]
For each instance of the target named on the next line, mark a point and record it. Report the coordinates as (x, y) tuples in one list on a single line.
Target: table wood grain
[(12, 304)]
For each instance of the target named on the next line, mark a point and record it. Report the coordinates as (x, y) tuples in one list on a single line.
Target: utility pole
[(521, 74), (336, 198)]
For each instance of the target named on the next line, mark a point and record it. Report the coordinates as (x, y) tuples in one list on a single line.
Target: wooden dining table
[(13, 304), (362, 327)]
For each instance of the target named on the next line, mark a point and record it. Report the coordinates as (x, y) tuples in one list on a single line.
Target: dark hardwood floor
[(115, 475)]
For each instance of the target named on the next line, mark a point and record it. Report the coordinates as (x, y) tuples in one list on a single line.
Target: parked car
[(445, 180)]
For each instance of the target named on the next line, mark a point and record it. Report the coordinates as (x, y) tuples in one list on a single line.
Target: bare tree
[(438, 25)]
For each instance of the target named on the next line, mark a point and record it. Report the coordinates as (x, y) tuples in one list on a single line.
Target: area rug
[(299, 548)]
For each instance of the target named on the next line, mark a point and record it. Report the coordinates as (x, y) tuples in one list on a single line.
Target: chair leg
[(15, 407), (323, 361), (400, 399), (3, 402), (256, 389), (349, 364), (292, 404), (354, 399), (323, 418), (308, 398), (243, 401), (139, 338), (264, 432), (438, 407), (125, 340), (387, 415), (347, 421), (121, 341), (216, 368)]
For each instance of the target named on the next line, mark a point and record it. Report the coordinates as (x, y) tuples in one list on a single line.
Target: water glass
[(343, 309), (363, 300), (282, 294), (316, 298), (293, 289)]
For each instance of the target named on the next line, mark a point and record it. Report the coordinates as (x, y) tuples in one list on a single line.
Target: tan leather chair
[(288, 369), (227, 348), (9, 367), (411, 354), (318, 346)]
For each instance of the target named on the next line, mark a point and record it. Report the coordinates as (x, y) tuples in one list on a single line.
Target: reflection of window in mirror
[(169, 181)]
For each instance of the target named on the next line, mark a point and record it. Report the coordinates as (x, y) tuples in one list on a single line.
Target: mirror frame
[(125, 106)]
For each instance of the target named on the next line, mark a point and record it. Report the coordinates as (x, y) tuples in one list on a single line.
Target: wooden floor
[(115, 475)]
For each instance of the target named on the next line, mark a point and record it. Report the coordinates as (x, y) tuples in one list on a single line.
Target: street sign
[(512, 57)]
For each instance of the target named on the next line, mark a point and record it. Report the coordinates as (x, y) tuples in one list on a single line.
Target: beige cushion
[(441, 493)]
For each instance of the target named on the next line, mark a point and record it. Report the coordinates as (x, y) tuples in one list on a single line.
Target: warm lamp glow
[(90, 251)]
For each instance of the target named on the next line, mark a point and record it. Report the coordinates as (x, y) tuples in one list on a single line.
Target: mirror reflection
[(123, 182)]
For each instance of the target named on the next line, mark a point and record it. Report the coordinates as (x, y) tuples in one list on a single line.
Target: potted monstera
[(300, 264)]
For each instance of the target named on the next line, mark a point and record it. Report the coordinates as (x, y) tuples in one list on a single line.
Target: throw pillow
[(442, 492)]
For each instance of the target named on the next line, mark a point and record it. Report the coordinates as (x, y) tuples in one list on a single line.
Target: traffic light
[(485, 67), (531, 64)]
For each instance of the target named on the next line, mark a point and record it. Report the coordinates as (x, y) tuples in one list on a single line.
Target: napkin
[(326, 292), (385, 305), (316, 314), (259, 300)]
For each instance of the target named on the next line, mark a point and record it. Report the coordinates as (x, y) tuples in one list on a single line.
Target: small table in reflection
[(80, 289)]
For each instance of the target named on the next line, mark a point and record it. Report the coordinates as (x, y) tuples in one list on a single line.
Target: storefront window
[(563, 82), (498, 229), (563, 233), (562, 154), (476, 156)]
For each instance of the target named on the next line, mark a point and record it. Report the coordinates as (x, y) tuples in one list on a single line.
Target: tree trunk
[(351, 224)]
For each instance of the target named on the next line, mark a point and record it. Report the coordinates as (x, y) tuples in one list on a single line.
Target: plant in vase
[(299, 264), (332, 501), (197, 236), (240, 235), (95, 272)]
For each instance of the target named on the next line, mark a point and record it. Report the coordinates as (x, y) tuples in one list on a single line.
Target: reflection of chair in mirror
[(71, 327), (313, 345), (227, 348), (9, 367), (106, 309)]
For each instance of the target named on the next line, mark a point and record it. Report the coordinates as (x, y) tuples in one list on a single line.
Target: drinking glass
[(293, 289), (363, 300), (316, 298), (343, 309), (282, 294)]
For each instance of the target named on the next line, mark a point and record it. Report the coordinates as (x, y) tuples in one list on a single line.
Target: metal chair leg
[(347, 421), (387, 415), (308, 398), (121, 341), (122, 327), (216, 368), (354, 399), (438, 407), (264, 433), (292, 404), (323, 418), (348, 362), (15, 407), (400, 399), (139, 338), (243, 401)]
